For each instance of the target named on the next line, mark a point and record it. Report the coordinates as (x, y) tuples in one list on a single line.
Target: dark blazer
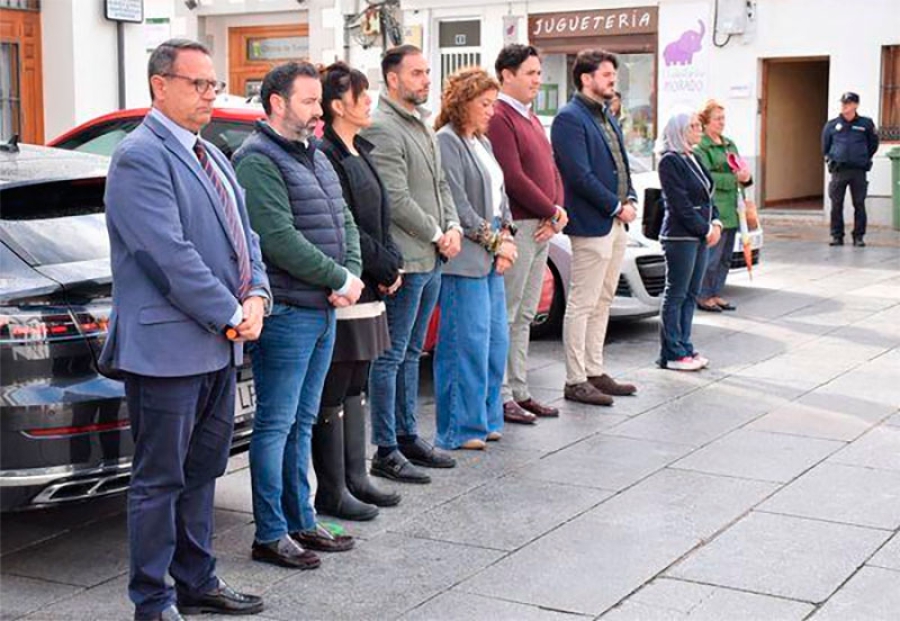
[(687, 189), (381, 258), (588, 171), (174, 265)]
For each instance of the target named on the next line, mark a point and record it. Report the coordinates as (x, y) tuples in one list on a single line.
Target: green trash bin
[(894, 154)]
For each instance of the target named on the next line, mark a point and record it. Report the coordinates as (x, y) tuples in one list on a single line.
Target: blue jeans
[(394, 379), (718, 265), (290, 362), (470, 359), (685, 266)]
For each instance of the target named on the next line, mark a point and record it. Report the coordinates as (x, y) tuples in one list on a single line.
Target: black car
[(64, 429)]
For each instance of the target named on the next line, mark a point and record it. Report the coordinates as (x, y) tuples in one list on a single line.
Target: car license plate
[(245, 400)]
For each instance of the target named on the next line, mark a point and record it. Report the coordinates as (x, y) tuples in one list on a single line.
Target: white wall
[(79, 48), (784, 28), (80, 62), (80, 80), (797, 28)]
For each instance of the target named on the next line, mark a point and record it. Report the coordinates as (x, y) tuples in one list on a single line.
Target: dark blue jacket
[(849, 145), (317, 205), (587, 168), (687, 189)]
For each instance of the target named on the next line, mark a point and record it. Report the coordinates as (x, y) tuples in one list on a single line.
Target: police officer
[(848, 144)]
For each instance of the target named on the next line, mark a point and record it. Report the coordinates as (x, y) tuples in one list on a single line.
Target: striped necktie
[(232, 219)]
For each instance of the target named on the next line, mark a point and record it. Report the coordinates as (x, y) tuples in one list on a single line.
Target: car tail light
[(75, 430), (93, 321), (23, 325)]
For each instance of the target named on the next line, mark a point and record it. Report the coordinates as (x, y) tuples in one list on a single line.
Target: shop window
[(636, 82), (890, 93), (451, 61), (460, 46)]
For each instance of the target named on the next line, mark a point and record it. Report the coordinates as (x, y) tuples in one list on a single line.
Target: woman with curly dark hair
[(473, 336)]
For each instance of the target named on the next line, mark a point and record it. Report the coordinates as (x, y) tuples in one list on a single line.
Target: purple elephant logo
[(681, 51)]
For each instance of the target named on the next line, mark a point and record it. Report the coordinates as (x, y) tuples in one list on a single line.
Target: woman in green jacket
[(713, 152)]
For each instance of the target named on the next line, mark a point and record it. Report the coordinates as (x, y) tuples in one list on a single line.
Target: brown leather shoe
[(608, 386), (513, 413), (538, 409), (321, 539), (585, 392)]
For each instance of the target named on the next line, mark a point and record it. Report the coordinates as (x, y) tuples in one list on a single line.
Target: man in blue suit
[(189, 287), (590, 154)]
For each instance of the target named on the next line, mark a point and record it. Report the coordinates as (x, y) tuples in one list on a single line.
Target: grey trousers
[(523, 292)]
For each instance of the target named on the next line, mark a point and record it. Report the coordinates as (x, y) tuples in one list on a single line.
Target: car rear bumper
[(640, 287), (43, 470)]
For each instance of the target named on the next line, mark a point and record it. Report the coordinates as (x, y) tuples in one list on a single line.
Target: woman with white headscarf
[(690, 225)]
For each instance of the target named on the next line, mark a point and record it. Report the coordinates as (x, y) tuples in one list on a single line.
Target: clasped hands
[(551, 226), (254, 309), (351, 297), (450, 243), (628, 212), (392, 289), (715, 233), (506, 254)]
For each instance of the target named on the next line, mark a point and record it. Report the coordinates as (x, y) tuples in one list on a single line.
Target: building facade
[(778, 66), (60, 58)]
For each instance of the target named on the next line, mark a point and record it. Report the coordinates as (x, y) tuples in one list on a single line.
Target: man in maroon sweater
[(535, 194)]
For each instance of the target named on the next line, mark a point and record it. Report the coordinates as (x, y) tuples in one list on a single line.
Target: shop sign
[(639, 20), (125, 11), (685, 41), (277, 48)]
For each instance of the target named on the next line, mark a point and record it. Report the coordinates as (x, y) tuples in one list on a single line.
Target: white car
[(643, 270), (637, 295)]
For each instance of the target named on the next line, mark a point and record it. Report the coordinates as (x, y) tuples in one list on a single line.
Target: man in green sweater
[(311, 248)]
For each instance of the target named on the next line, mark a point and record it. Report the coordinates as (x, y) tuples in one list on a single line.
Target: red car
[(232, 121), (228, 129)]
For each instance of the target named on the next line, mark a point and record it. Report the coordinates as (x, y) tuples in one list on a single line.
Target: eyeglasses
[(202, 86)]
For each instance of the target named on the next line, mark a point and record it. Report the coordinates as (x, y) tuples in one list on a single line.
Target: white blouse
[(494, 172)]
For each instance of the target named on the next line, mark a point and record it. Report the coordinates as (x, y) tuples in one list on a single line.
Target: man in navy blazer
[(590, 154), (189, 287)]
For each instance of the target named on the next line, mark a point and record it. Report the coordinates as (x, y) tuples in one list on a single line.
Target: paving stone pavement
[(764, 488)]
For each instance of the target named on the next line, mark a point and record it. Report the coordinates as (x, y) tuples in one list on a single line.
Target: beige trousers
[(596, 265)]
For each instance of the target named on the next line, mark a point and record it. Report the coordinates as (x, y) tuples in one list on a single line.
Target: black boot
[(358, 480), (332, 496)]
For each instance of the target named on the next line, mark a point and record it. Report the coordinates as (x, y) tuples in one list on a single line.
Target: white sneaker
[(702, 360), (684, 364)]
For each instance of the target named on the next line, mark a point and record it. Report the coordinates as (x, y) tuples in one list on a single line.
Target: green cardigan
[(714, 157)]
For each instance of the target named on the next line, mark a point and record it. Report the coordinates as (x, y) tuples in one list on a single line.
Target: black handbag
[(654, 208)]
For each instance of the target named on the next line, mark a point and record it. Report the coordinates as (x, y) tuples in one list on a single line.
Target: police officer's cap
[(849, 97)]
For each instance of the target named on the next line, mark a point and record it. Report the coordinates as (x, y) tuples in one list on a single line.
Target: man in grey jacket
[(425, 226)]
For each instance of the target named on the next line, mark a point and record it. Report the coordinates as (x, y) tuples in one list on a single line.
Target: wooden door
[(254, 50), (21, 79)]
